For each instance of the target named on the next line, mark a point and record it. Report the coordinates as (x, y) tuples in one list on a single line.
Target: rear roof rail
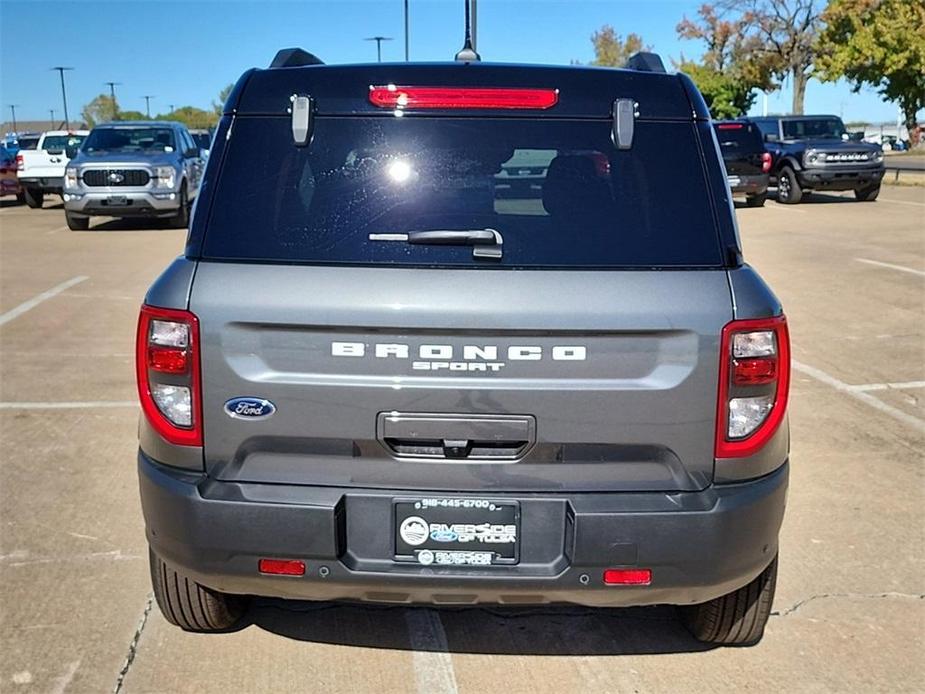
[(645, 62), (295, 57)]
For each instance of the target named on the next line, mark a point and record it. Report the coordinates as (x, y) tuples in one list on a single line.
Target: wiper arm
[(452, 237)]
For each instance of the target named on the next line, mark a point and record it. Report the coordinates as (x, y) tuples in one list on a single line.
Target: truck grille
[(116, 177), (845, 157)]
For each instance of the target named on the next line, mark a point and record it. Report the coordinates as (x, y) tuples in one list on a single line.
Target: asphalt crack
[(822, 596), (133, 645)]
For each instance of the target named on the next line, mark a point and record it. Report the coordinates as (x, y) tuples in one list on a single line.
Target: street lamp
[(112, 93), (378, 40), (13, 112), (61, 71), (406, 31), (51, 112), (147, 98)]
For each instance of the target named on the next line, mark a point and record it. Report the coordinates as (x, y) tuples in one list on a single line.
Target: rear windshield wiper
[(479, 238)]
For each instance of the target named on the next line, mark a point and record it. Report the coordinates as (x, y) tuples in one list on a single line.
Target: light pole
[(13, 112), (406, 31), (61, 71), (112, 94), (378, 40), (147, 98), (172, 109), (51, 112)]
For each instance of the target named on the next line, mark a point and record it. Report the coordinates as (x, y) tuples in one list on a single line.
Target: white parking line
[(863, 396), (75, 405), (887, 386), (430, 658), (891, 266), (903, 202), (36, 300)]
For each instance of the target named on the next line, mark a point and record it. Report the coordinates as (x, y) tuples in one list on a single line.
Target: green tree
[(880, 43), (219, 106), (101, 109), (191, 117), (786, 31), (610, 48), (131, 115), (731, 68)]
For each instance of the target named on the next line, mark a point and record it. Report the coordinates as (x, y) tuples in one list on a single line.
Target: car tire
[(756, 200), (181, 219), (34, 198), (789, 191), (737, 618), (76, 222), (20, 198), (188, 605), (868, 194)]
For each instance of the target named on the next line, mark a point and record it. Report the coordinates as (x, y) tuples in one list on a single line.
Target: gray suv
[(133, 169), (379, 372)]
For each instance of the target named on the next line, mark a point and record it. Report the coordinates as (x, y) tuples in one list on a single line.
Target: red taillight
[(628, 577), (19, 162), (282, 567), (765, 162), (730, 126), (167, 360), (391, 96), (754, 372), (754, 381), (167, 372)]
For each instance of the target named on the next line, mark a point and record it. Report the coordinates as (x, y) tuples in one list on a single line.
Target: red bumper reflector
[(282, 567), (167, 359), (754, 372), (628, 577), (462, 97)]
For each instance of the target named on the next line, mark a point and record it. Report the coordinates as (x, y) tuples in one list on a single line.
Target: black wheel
[(788, 187), (187, 604), (34, 198), (756, 200), (735, 619), (76, 222), (181, 219), (868, 194), (21, 198)]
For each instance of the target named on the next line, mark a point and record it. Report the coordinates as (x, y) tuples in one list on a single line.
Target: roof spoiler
[(295, 57), (645, 62)]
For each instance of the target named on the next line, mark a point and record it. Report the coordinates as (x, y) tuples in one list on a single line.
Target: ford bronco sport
[(380, 373)]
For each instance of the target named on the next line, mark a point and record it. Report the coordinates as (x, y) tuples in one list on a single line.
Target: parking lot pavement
[(75, 606)]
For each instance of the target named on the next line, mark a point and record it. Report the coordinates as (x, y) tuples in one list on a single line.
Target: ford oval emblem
[(249, 408), (443, 536)]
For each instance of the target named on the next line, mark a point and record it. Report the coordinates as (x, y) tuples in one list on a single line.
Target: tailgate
[(41, 164), (461, 380)]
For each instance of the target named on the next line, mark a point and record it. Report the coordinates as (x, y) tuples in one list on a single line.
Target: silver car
[(133, 169)]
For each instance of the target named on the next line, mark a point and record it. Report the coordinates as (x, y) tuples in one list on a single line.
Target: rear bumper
[(839, 179), (753, 184), (46, 184), (699, 545)]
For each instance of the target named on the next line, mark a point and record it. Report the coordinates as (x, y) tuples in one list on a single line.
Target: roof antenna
[(467, 54)]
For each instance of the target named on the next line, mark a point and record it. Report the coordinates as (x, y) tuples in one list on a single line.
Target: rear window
[(28, 142), (56, 142), (558, 191), (738, 136)]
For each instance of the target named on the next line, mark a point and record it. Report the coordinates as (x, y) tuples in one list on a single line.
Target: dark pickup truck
[(814, 153), (746, 161)]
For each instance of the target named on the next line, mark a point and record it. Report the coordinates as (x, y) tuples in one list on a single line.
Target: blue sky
[(185, 52)]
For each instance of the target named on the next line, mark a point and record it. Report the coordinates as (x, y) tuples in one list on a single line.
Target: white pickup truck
[(41, 170)]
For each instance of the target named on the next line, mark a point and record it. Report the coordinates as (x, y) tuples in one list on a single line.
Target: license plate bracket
[(117, 201), (447, 531)]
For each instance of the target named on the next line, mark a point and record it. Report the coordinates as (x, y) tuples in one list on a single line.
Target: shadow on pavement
[(544, 630), (130, 224)]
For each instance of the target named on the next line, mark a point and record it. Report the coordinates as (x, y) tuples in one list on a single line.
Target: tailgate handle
[(456, 437)]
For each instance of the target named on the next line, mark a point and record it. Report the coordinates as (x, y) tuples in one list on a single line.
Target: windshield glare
[(814, 128), (130, 140)]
